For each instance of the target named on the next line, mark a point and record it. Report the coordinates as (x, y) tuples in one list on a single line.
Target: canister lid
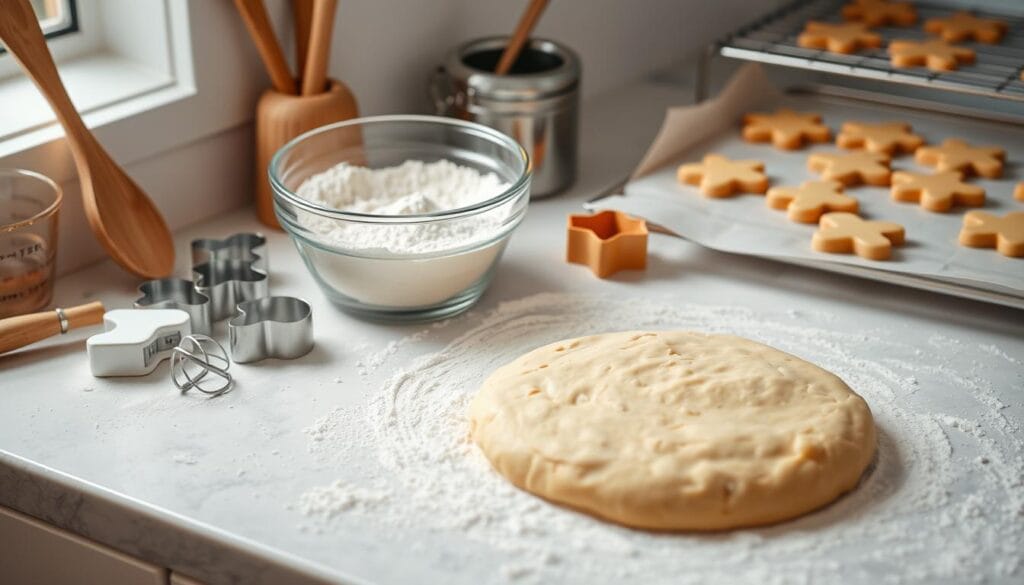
[(544, 69)]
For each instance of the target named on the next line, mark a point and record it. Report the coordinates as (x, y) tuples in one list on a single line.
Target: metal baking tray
[(772, 40)]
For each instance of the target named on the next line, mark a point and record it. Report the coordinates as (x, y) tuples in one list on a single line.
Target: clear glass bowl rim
[(48, 211), (496, 136)]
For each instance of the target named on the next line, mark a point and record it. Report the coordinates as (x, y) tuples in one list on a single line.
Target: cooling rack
[(772, 40)]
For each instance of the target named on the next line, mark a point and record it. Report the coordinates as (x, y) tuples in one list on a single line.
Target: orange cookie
[(938, 192), (721, 177), (852, 168), (880, 12), (935, 54), (957, 155), (838, 37), (887, 137), (1018, 191), (842, 233), (964, 26), (785, 129), (807, 202), (984, 230)]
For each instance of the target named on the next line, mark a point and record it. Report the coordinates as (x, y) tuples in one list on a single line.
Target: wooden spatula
[(123, 218)]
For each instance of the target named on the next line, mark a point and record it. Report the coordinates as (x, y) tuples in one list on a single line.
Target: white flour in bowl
[(404, 265)]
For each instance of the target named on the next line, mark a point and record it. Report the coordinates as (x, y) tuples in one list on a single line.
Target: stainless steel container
[(537, 103)]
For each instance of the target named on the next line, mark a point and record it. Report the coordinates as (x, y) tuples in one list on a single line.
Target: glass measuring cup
[(29, 205)]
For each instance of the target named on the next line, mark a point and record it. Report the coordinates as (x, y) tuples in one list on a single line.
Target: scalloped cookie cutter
[(607, 242), (230, 271), (177, 293), (241, 246), (277, 327)]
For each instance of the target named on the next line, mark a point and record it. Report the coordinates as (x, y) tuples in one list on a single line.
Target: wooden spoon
[(125, 221), (302, 11), (520, 36), (314, 78), (254, 13)]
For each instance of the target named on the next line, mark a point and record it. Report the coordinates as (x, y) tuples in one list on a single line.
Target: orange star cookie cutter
[(871, 168), (957, 155), (843, 233), (938, 192), (807, 203), (785, 129), (885, 137), (846, 37), (880, 12), (964, 26), (984, 230), (607, 242), (719, 176), (934, 54)]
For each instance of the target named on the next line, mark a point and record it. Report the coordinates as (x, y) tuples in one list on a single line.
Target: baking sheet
[(744, 224)]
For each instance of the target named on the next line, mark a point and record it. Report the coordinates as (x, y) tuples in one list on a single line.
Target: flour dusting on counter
[(412, 188), (943, 501)]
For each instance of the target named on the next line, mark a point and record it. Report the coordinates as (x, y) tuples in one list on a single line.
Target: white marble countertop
[(207, 487)]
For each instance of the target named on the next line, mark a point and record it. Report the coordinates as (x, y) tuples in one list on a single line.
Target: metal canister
[(537, 103)]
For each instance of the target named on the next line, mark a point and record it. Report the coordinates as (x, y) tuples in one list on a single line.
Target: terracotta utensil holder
[(607, 242), (281, 117)]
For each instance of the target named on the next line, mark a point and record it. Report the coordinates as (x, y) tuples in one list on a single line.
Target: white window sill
[(102, 83)]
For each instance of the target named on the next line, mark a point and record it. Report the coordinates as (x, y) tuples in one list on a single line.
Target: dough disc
[(674, 430)]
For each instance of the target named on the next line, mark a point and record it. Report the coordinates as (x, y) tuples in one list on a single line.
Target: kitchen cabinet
[(35, 552)]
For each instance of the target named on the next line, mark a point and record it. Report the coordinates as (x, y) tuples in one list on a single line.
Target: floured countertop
[(352, 464)]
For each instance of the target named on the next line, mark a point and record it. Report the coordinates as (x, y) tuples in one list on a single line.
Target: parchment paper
[(744, 224)]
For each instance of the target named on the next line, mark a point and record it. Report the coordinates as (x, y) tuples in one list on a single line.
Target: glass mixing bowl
[(381, 283)]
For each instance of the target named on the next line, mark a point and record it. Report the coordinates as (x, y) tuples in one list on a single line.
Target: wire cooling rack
[(995, 73)]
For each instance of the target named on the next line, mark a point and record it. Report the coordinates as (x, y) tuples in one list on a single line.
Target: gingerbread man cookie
[(842, 233), (845, 37), (852, 168), (964, 26), (938, 192), (880, 12), (721, 177), (808, 202), (886, 137), (785, 128), (984, 230), (957, 155), (935, 54)]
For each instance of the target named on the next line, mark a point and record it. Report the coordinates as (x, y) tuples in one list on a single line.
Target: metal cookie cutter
[(177, 293), (278, 327), (230, 271), (196, 357), (242, 246)]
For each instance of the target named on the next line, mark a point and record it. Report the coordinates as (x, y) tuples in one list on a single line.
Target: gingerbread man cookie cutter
[(843, 233), (271, 327), (607, 242), (177, 293), (984, 230)]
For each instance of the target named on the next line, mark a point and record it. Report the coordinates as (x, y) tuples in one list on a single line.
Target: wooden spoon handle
[(520, 36), (22, 330), (303, 14), (314, 78), (20, 32), (254, 13)]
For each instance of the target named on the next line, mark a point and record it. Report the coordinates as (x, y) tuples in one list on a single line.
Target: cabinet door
[(34, 552)]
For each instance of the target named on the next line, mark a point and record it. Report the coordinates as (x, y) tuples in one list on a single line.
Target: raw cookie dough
[(786, 129), (718, 176), (674, 430)]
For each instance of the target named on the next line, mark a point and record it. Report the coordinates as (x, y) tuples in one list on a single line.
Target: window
[(56, 17)]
